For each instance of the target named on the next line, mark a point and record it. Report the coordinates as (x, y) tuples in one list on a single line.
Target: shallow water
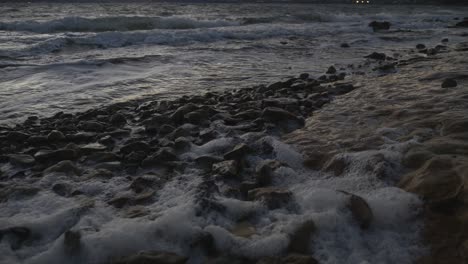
[(56, 57)]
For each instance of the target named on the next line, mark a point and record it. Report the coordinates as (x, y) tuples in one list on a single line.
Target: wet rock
[(449, 83), (331, 70), (145, 182), (229, 168), (304, 76), (206, 162), (53, 156), (166, 129), (243, 229), (299, 239), (81, 137), (196, 117), (238, 153), (344, 45), (103, 156), (55, 136), (100, 173), (377, 56), (420, 46), (437, 181), (275, 114), (72, 242), (463, 23), (106, 140), (265, 172), (16, 191), (93, 147), (415, 158), (62, 189), (120, 201), (91, 126), (182, 143), (152, 257), (135, 212), (112, 165), (21, 160), (135, 146), (298, 259), (161, 156), (445, 40), (37, 140), (361, 211), (16, 136), (65, 166), (136, 157), (378, 26), (337, 165), (273, 197), (179, 114), (118, 119), (16, 236)]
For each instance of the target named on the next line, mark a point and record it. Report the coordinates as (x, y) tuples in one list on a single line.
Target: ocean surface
[(73, 57), (68, 57)]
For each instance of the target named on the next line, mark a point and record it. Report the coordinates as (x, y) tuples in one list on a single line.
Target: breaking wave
[(116, 23)]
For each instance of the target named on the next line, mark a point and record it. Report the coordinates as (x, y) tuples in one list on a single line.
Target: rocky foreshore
[(227, 139)]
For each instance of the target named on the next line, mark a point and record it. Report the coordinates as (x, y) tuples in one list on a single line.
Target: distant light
[(357, 2), (367, 1)]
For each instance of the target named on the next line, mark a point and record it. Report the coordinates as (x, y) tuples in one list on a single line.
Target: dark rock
[(103, 156), (445, 40), (179, 114), (112, 165), (229, 168), (135, 146), (377, 26), (207, 162), (159, 157), (463, 23), (55, 136), (152, 257), (100, 173), (135, 157), (299, 239), (304, 76), (246, 186), (361, 211), (449, 83), (16, 236), (91, 126), (16, 136), (142, 183), (344, 45), (331, 70), (92, 148), (182, 143), (53, 156), (377, 56), (36, 140), (272, 197), (21, 160), (275, 114), (106, 140), (118, 119), (239, 152), (62, 189), (66, 166), (166, 129), (72, 242), (264, 173), (120, 201), (420, 46)]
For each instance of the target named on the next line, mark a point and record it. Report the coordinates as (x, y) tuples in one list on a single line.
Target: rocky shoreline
[(228, 139)]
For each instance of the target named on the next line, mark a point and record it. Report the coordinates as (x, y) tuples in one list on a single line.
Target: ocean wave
[(116, 23)]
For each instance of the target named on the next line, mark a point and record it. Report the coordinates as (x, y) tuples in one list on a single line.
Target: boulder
[(449, 83), (55, 136), (437, 181), (243, 229), (135, 146), (91, 126), (23, 160), (206, 162), (376, 56), (118, 119), (53, 156), (16, 136), (229, 168), (65, 166), (299, 239), (103, 156), (275, 114), (331, 70), (273, 197), (238, 152), (360, 210)]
